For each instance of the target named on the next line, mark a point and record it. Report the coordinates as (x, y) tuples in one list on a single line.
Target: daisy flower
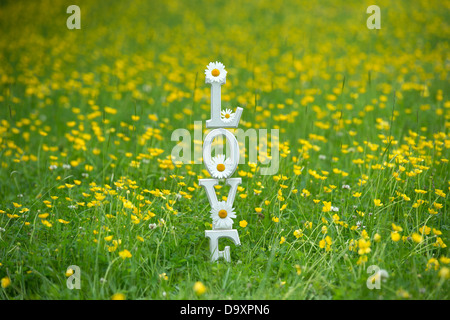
[(227, 115), (222, 216), (220, 168), (215, 72)]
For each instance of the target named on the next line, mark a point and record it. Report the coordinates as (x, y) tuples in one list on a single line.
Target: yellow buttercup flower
[(417, 237), (163, 276), (5, 282), (444, 260), (199, 288), (377, 203), (326, 206), (298, 233), (433, 263), (364, 246), (298, 269), (125, 254), (118, 296), (69, 272), (377, 237), (444, 273), (322, 243), (395, 236)]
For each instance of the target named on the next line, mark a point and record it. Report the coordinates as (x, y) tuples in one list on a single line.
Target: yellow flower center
[(220, 167), (227, 116), (223, 213), (215, 72)]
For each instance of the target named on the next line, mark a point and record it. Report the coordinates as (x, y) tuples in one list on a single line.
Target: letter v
[(209, 184)]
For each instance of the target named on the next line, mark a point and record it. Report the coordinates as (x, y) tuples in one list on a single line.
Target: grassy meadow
[(86, 176)]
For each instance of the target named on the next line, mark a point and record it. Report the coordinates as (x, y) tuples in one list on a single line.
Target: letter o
[(232, 142)]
